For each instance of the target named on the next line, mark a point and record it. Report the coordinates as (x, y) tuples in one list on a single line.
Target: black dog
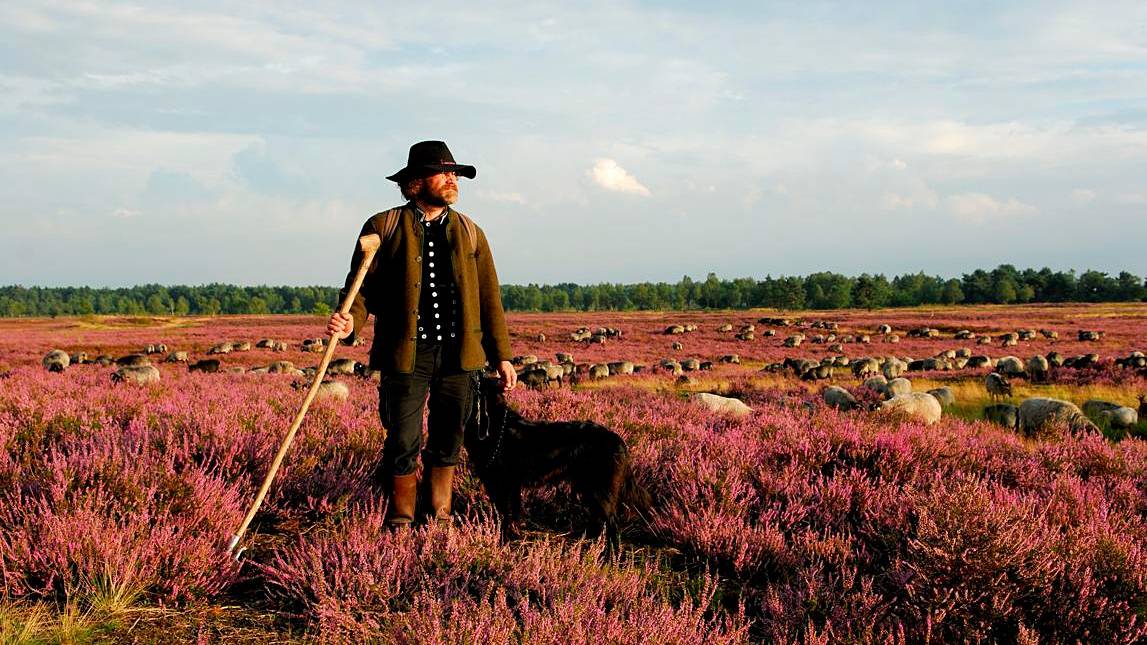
[(509, 453)]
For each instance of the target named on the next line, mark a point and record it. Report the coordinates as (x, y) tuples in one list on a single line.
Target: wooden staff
[(368, 244)]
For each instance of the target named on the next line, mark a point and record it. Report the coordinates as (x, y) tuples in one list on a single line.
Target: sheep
[(1049, 334), (621, 367), (79, 358), (138, 374), (794, 341), (1004, 414), (534, 379), (564, 357), (884, 330), (1010, 366), (673, 366), (225, 348), (281, 367), (1111, 415), (528, 359), (691, 327), (56, 360), (327, 391), (837, 397), (176, 357), (674, 330), (156, 348), (864, 339), (1038, 414), (344, 366), (963, 352), (997, 386), (964, 334), (103, 360), (877, 384), (133, 360), (1009, 339), (677, 346), (944, 395), (734, 359), (984, 340), (723, 404), (748, 327), (207, 366), (836, 348), (265, 343), (1038, 368), (818, 373), (769, 333), (918, 406), (897, 387), (600, 371), (892, 338), (1026, 334), (893, 368), (979, 360), (724, 329), (691, 364), (281, 345), (745, 335), (840, 361), (1085, 335)]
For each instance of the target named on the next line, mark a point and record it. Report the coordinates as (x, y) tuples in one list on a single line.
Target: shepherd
[(438, 322)]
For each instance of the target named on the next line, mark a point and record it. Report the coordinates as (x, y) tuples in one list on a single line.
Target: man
[(438, 321)]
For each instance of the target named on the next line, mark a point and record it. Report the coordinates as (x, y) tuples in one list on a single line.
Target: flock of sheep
[(138, 368)]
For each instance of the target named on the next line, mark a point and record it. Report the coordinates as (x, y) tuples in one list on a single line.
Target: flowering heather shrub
[(797, 523)]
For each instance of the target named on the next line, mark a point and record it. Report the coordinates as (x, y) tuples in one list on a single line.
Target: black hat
[(430, 157)]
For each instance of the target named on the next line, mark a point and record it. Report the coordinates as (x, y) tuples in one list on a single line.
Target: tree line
[(824, 290)]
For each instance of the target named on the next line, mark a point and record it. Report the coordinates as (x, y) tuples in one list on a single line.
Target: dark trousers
[(402, 398)]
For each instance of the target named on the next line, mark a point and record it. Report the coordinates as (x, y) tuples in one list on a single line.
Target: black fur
[(509, 453)]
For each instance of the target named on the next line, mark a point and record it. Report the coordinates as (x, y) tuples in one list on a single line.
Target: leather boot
[(441, 487), (403, 492)]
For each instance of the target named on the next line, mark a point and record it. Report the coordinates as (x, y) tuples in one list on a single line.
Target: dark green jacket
[(392, 288)]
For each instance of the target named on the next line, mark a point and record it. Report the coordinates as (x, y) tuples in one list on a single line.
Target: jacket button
[(418, 259), (417, 284)]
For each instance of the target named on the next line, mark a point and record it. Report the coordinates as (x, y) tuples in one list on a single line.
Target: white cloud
[(610, 176), (1082, 195), (895, 201), (1132, 198), (125, 213), (979, 207)]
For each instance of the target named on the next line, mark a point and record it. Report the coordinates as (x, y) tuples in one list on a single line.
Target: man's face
[(440, 189)]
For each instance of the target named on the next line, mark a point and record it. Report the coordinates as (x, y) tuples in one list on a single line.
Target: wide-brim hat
[(429, 157)]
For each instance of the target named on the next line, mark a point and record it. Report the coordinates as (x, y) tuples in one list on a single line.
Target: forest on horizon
[(823, 290)]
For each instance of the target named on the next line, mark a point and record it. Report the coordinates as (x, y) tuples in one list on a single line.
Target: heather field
[(796, 523)]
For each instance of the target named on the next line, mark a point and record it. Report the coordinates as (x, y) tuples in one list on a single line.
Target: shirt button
[(431, 254), (434, 294), (437, 316), (452, 335), (439, 338), (418, 258), (431, 265), (431, 275), (432, 244), (436, 306), (424, 335)]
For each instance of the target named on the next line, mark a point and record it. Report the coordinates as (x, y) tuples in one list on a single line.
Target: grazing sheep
[(79, 358), (897, 387), (621, 367), (1004, 414), (723, 404), (1038, 368), (840, 361), (564, 357), (964, 334), (864, 339), (541, 337), (674, 330), (884, 330), (1111, 415), (745, 335), (281, 367), (963, 352), (138, 374), (691, 364), (1038, 414), (225, 348), (734, 359), (56, 360), (344, 366), (1010, 366), (133, 360), (836, 348), (673, 366), (281, 345), (265, 343), (1086, 335), (528, 359), (984, 340), (892, 338), (794, 341), (328, 390), (877, 384), (104, 360), (839, 398), (534, 379), (1026, 334), (177, 357), (724, 329), (893, 368), (207, 366), (944, 395), (677, 346), (601, 370), (979, 361), (919, 406), (818, 373), (997, 386), (1049, 334)]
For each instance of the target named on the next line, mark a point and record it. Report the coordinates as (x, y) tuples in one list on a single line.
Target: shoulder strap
[(390, 223), (471, 230)]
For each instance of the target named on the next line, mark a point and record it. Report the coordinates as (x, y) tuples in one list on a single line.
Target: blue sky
[(615, 141)]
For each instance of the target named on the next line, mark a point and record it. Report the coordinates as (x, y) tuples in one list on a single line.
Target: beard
[(441, 197)]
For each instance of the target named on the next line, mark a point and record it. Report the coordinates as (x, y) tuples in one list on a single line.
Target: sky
[(246, 142)]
